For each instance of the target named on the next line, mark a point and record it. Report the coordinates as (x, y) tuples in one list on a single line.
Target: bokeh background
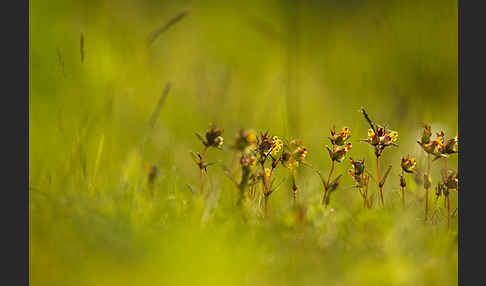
[(295, 68)]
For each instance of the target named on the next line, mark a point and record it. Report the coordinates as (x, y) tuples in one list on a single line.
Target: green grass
[(92, 220)]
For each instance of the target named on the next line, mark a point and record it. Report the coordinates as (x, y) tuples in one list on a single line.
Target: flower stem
[(445, 169), (403, 190), (379, 181), (448, 210), (326, 187), (265, 210), (294, 187), (427, 189), (330, 173), (201, 172)]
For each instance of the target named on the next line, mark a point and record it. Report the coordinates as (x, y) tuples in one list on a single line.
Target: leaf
[(368, 119), (200, 138), (276, 187), (195, 157), (335, 183), (190, 188), (329, 150), (228, 173), (386, 175), (98, 156)]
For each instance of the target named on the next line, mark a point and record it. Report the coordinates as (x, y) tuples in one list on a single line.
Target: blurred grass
[(293, 68)]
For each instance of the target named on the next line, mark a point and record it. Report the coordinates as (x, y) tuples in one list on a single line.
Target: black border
[(472, 196), (14, 23)]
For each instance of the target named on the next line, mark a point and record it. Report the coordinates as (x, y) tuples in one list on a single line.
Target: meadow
[(115, 92)]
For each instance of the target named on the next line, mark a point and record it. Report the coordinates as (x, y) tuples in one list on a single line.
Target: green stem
[(201, 172)]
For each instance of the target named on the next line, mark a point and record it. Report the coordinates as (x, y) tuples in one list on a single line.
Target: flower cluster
[(357, 172), (341, 137), (277, 145), (338, 153), (339, 146), (408, 164), (449, 183), (361, 179), (259, 156), (245, 139), (380, 138), (437, 147), (213, 137), (265, 145), (247, 160), (294, 155)]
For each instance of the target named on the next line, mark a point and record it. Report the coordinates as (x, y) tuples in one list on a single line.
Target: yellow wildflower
[(371, 133), (394, 136)]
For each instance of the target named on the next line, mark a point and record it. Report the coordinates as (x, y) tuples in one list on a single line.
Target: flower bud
[(213, 136), (408, 164)]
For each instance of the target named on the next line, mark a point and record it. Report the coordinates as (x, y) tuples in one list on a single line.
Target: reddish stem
[(326, 187), (379, 180), (426, 189), (265, 211), (445, 169)]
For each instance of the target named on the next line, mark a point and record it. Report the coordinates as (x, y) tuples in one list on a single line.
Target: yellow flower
[(251, 137), (394, 136), (371, 133), (267, 172), (345, 131), (276, 145), (408, 164)]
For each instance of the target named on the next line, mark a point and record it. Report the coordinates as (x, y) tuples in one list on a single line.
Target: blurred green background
[(295, 68)]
